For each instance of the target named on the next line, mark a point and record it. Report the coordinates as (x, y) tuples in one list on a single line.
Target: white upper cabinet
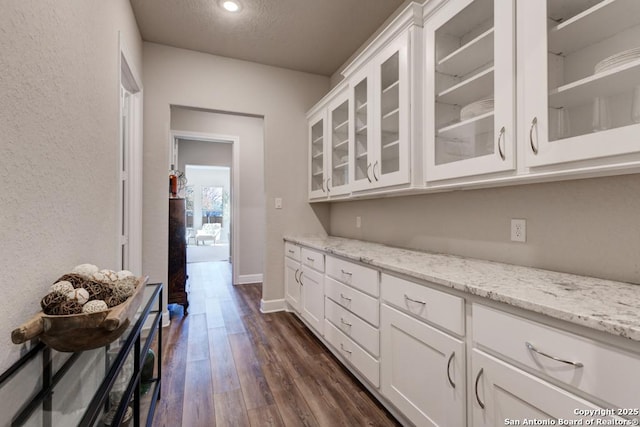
[(339, 145), (317, 155), (470, 89), (580, 66)]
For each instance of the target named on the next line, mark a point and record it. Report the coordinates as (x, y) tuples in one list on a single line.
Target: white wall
[(208, 176), (588, 227), (59, 120), (180, 77), (251, 224)]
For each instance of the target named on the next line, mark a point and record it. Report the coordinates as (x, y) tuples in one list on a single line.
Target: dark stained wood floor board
[(228, 364)]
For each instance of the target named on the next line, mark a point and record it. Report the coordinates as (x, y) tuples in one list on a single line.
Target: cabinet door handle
[(300, 278), (476, 388), (557, 359), (534, 124), (368, 167), (501, 138), (323, 190), (344, 349), (328, 179), (344, 322), (407, 298), (343, 297), (449, 370), (296, 275), (346, 272), (373, 169)]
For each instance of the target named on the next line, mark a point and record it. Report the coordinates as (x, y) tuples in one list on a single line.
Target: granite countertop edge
[(599, 304)]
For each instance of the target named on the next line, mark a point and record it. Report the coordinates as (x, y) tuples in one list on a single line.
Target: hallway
[(227, 364)]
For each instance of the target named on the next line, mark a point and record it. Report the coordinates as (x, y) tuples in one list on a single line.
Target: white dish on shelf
[(617, 59), (476, 108)]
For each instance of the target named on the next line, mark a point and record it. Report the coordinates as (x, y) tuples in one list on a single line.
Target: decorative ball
[(123, 274), (51, 300), (97, 290), (75, 279), (63, 287), (123, 289), (130, 280), (114, 300), (68, 307), (105, 276), (85, 270), (95, 306), (79, 295)]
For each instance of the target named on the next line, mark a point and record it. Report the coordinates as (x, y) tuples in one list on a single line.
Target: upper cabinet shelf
[(469, 57), (472, 89), (599, 22)]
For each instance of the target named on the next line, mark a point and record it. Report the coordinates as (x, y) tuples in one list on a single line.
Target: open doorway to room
[(208, 210)]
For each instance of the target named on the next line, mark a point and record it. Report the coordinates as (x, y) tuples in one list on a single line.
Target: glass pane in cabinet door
[(340, 145), (317, 156), (361, 143), (464, 84), (390, 115), (593, 66)]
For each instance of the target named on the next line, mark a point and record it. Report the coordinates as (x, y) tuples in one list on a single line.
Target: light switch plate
[(278, 202)]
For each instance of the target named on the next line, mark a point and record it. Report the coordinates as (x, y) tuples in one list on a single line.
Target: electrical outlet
[(278, 203), (519, 230), (358, 222)]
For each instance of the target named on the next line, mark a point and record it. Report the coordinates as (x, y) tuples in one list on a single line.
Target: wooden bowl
[(84, 331)]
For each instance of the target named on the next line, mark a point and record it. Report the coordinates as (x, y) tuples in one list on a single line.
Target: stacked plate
[(476, 108), (617, 60)]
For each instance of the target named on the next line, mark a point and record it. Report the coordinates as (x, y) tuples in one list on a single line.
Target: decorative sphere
[(123, 274), (105, 276), (79, 295), (85, 270), (52, 300), (63, 287), (94, 306)]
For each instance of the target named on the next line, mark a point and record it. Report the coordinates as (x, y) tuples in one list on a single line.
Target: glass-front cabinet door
[(338, 161), (391, 156), (362, 131), (317, 156), (580, 67), (470, 89)]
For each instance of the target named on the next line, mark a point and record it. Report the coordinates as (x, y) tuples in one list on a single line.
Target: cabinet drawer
[(292, 251), (313, 259), (428, 304), (360, 359), (352, 326), (355, 301), (612, 375), (357, 276)]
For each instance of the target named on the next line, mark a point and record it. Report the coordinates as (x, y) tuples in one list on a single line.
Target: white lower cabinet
[(312, 298), (422, 370), (292, 269), (506, 395)]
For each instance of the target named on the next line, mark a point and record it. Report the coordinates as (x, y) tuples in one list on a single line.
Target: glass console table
[(106, 386)]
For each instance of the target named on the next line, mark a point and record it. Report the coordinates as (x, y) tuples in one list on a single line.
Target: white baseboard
[(166, 320), (272, 306), (249, 278)]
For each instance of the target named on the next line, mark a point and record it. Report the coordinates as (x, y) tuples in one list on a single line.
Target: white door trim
[(235, 185)]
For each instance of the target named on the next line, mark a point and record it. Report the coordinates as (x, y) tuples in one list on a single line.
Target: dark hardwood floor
[(227, 364)]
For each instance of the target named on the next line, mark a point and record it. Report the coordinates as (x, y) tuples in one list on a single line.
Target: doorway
[(208, 209)]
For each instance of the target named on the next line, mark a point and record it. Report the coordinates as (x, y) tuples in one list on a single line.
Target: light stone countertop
[(603, 305)]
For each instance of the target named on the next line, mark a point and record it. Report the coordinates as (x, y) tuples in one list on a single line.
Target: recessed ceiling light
[(231, 6)]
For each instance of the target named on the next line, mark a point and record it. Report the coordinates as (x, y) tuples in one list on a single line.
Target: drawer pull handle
[(557, 359), (343, 297), (406, 297), (346, 272), (449, 370), (345, 323), (311, 259), (534, 124), (476, 388), (291, 251), (344, 349)]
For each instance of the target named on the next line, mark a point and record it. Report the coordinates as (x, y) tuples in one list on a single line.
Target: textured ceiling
[(315, 36)]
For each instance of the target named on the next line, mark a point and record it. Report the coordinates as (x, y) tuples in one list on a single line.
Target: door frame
[(234, 140)]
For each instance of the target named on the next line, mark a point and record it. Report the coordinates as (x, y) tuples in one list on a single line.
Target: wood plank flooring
[(227, 364)]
